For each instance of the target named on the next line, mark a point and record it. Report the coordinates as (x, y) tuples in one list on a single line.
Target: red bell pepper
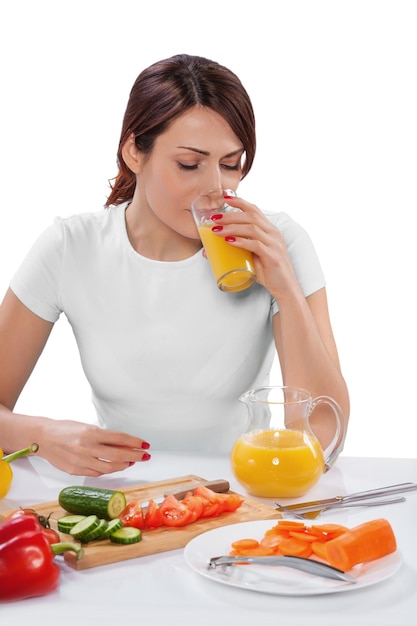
[(27, 566)]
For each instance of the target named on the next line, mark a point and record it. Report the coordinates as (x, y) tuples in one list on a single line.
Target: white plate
[(273, 579)]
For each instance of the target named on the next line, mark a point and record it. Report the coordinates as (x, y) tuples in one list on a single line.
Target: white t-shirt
[(167, 354)]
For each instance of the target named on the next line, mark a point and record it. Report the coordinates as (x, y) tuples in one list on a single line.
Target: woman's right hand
[(86, 450)]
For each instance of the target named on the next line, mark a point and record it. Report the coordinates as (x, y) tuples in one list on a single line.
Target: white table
[(162, 589)]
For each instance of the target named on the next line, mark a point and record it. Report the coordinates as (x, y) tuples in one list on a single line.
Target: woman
[(166, 353)]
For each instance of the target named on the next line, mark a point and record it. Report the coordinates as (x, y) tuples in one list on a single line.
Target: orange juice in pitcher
[(267, 462), (279, 455)]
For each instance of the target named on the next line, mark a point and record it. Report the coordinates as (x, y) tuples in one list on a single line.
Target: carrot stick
[(366, 542)]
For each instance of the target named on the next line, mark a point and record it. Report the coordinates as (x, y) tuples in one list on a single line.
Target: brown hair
[(167, 89)]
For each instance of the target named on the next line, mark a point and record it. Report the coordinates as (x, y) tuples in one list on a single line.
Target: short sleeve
[(302, 253), (37, 281)]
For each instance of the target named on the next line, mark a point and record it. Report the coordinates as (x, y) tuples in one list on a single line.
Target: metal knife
[(219, 486), (353, 497)]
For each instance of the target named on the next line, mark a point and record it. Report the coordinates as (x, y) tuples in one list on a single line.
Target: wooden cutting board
[(160, 539)]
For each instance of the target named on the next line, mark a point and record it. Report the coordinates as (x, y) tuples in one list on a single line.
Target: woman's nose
[(214, 180)]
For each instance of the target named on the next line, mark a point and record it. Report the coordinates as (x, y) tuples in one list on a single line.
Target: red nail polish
[(146, 456), (230, 239), (145, 445), (216, 216), (228, 197), (131, 463), (217, 229)]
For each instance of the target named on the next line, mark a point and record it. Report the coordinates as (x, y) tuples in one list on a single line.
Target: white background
[(333, 85)]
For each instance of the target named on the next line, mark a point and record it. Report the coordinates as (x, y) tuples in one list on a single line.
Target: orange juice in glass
[(279, 456), (232, 267)]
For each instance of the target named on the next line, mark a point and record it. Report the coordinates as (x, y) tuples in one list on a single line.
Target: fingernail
[(216, 216), (217, 229), (228, 197), (131, 463), (230, 239), (146, 456), (145, 445)]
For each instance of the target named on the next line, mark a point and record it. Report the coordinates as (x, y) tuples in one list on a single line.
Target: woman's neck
[(155, 240)]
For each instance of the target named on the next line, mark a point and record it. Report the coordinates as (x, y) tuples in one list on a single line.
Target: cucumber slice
[(112, 526), (126, 535), (65, 523), (85, 527), (105, 503), (97, 532)]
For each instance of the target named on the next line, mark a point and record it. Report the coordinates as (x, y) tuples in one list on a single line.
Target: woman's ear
[(131, 155)]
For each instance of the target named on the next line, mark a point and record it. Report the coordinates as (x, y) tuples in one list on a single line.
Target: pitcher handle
[(335, 447)]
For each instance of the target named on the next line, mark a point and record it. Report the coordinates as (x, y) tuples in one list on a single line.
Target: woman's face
[(198, 151)]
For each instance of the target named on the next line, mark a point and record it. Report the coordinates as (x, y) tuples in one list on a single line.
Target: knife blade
[(353, 497), (218, 486)]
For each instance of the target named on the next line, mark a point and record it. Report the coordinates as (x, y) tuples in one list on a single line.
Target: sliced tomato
[(132, 515), (232, 501), (195, 504), (175, 513), (213, 505), (153, 516)]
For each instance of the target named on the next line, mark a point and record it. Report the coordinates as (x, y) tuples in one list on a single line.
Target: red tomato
[(51, 535), (195, 504), (20, 512), (153, 516), (232, 501), (43, 521), (132, 515), (175, 512), (213, 505)]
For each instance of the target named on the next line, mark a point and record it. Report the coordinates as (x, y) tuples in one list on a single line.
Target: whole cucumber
[(104, 503)]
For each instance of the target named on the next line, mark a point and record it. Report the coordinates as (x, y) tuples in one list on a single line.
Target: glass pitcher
[(279, 456)]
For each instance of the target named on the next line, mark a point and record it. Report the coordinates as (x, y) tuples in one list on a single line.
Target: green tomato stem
[(16, 455)]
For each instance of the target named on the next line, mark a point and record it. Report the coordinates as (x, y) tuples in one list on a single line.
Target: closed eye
[(183, 166), (234, 168)]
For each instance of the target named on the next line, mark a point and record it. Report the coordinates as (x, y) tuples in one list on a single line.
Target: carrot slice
[(330, 529), (244, 544), (286, 524), (366, 542), (306, 536), (275, 533), (295, 547), (320, 536), (257, 551), (271, 541), (319, 549)]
